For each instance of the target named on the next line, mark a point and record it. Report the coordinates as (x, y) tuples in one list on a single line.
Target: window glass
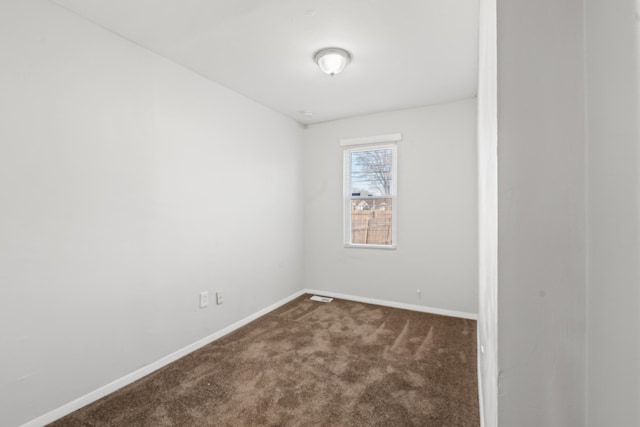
[(370, 192), (371, 172)]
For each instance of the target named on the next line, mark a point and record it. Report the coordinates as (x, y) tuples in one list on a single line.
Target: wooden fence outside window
[(372, 227)]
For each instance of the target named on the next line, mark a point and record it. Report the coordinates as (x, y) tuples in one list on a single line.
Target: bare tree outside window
[(371, 172)]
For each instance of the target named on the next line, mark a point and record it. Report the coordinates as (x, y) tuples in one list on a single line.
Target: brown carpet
[(311, 364)]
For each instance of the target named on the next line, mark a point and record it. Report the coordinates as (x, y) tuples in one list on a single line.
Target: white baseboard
[(412, 307), (91, 397)]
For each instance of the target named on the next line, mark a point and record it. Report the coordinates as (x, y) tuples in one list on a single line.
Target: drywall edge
[(488, 215)]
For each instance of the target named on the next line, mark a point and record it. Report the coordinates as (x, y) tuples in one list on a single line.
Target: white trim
[(412, 307), (364, 246), (393, 137), (480, 377), (488, 257), (91, 397), (113, 386)]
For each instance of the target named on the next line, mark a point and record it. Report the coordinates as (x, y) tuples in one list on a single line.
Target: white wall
[(437, 210), (614, 213), (127, 186), (541, 213)]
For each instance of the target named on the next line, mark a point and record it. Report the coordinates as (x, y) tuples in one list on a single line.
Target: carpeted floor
[(311, 364)]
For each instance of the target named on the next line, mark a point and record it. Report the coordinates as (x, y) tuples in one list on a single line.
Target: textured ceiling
[(405, 53)]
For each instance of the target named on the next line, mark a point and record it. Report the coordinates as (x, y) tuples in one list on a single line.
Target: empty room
[(185, 176), (337, 213)]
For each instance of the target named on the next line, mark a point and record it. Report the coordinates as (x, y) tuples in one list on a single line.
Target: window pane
[(371, 172), (371, 221)]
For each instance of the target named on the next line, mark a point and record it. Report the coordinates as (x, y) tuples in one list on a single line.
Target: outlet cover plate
[(204, 299)]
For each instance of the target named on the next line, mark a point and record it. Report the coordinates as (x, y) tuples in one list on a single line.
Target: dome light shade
[(332, 60)]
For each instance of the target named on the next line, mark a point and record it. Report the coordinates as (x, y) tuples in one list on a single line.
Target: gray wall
[(437, 210), (127, 186), (614, 213), (541, 213), (569, 213)]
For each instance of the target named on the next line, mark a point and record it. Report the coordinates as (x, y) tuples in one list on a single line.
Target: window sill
[(387, 247)]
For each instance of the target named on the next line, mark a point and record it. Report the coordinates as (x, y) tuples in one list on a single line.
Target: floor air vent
[(321, 299)]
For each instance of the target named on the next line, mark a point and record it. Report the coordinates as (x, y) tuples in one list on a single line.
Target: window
[(370, 209)]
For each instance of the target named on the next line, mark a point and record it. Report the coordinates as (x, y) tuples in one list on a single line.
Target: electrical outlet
[(219, 299), (204, 299)]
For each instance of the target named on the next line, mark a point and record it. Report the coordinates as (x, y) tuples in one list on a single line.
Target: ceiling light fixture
[(332, 60)]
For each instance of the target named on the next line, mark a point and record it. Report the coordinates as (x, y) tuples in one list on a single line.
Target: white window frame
[(364, 144)]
